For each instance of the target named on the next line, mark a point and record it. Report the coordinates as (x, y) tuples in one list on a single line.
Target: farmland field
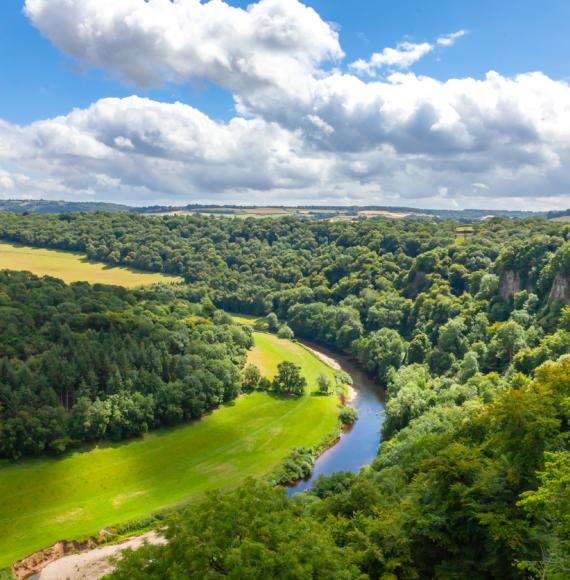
[(51, 499), (73, 267)]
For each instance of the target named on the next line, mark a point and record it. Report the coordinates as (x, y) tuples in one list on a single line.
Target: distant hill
[(47, 206), (560, 216), (341, 212), (305, 211)]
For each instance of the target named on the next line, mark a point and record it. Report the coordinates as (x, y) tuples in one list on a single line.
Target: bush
[(348, 415), (285, 332), (324, 384), (264, 384), (298, 465)]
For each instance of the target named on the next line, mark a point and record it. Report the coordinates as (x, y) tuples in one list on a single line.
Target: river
[(358, 445)]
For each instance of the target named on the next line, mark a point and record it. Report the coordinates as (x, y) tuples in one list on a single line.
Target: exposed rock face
[(510, 284), (560, 289)]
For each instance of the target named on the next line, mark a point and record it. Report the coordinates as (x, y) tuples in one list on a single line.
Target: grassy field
[(270, 350), (46, 500), (72, 267)]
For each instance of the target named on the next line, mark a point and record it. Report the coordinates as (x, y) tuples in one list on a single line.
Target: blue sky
[(509, 36), (419, 133)]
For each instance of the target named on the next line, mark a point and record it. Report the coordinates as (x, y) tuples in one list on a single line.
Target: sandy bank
[(93, 564)]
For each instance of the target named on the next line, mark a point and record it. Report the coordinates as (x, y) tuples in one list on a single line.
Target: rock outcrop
[(560, 289), (510, 284)]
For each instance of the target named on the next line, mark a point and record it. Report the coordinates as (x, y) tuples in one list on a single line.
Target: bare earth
[(94, 564)]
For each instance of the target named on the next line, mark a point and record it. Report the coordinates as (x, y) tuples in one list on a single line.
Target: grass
[(73, 267), (245, 319), (47, 500), (269, 350)]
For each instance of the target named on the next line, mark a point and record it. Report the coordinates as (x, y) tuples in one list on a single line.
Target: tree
[(251, 377), (469, 366), (272, 322), (382, 351), (285, 332), (288, 379), (420, 347), (451, 337), (254, 532), (550, 507), (324, 384), (348, 415), (508, 339)]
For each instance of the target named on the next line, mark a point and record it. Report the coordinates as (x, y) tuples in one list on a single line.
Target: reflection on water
[(359, 445)]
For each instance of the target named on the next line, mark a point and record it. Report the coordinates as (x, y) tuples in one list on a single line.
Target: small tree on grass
[(250, 378), (324, 384), (288, 379), (285, 332)]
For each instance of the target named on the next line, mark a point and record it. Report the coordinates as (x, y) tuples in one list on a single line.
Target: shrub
[(348, 415)]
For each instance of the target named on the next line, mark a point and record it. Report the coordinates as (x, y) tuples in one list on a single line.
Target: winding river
[(358, 445)]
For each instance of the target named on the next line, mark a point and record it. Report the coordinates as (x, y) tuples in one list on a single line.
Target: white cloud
[(403, 56), (450, 39), (302, 133), (148, 42), (164, 149)]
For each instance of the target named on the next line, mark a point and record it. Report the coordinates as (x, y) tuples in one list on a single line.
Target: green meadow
[(47, 500), (73, 267)]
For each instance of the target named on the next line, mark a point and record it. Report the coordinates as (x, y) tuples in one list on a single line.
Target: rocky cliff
[(560, 289), (510, 284)]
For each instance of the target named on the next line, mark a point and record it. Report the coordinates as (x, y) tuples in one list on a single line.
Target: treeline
[(83, 363)]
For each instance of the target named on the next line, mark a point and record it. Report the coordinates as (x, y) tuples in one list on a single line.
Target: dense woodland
[(83, 363), (468, 330)]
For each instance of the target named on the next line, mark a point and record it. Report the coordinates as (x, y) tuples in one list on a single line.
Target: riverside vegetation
[(469, 334)]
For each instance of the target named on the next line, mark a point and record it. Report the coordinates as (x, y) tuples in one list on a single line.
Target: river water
[(358, 445)]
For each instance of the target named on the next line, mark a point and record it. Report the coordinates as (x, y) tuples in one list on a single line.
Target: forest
[(83, 363), (468, 332)]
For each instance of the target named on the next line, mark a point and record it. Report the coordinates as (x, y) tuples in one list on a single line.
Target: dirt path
[(94, 564)]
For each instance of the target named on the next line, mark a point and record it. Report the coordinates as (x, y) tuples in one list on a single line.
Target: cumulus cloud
[(166, 149), (302, 133), (148, 42)]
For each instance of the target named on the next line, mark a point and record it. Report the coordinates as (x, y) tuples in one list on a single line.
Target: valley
[(72, 497)]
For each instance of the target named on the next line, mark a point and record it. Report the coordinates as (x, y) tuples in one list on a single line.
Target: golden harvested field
[(73, 267)]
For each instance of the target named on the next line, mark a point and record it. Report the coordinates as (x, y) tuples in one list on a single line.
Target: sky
[(441, 104)]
